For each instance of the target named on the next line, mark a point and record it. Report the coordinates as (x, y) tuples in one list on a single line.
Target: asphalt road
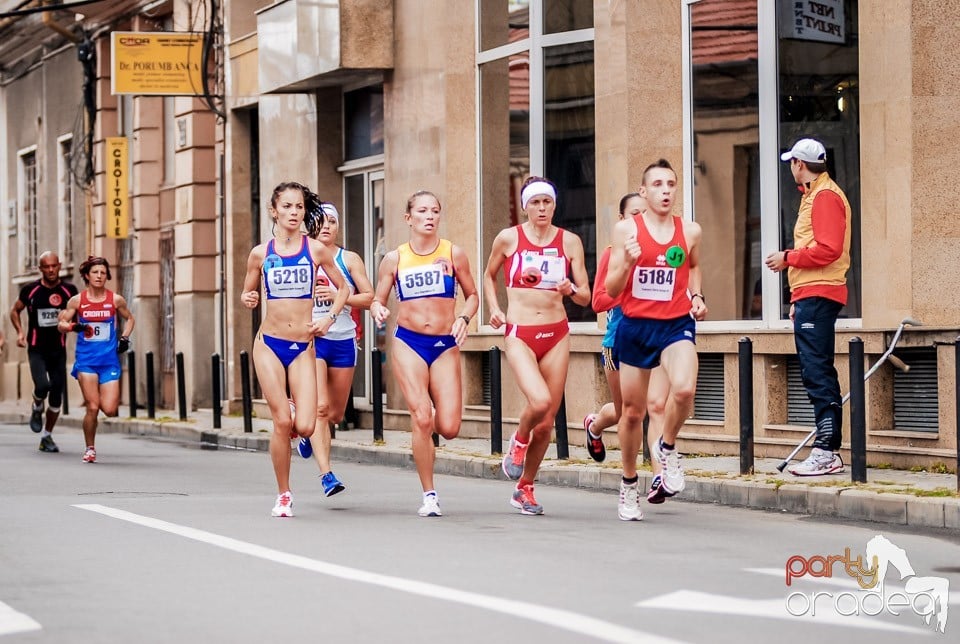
[(164, 542)]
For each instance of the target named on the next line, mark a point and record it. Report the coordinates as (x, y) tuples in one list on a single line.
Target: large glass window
[(537, 116), (819, 97), (810, 90)]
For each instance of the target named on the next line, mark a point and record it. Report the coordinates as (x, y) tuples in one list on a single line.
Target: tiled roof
[(712, 45)]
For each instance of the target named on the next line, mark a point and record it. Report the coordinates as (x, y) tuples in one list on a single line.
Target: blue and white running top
[(288, 276), (344, 327)]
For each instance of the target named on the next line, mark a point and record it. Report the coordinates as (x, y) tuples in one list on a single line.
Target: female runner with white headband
[(538, 260)]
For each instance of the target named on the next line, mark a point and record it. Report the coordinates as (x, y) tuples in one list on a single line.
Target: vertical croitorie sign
[(118, 187)]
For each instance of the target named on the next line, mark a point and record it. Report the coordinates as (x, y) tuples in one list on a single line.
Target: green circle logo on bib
[(675, 256)]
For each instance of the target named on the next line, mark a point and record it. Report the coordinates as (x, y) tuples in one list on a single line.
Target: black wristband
[(465, 318), (700, 295)]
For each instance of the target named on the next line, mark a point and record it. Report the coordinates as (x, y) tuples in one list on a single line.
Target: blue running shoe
[(331, 484), (305, 448)]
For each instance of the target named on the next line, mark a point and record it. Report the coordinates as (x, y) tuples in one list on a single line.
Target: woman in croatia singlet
[(336, 352), (539, 260), (425, 354), (286, 267), (93, 316)]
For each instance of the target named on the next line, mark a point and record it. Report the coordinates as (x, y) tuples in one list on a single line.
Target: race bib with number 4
[(543, 271)]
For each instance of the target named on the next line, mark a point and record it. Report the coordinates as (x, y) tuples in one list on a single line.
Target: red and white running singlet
[(532, 266), (658, 283)]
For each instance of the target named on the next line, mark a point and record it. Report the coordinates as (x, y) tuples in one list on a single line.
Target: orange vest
[(834, 274)]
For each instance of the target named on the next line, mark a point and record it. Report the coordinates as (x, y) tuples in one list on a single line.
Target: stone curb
[(839, 502)]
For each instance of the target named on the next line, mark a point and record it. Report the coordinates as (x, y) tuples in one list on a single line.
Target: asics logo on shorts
[(542, 336)]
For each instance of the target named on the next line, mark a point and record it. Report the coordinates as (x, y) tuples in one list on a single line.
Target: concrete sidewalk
[(919, 499)]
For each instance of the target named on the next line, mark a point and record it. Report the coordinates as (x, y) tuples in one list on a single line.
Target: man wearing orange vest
[(817, 271)]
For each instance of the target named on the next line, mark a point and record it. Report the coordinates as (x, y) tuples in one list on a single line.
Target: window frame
[(66, 215), (28, 238), (534, 44), (769, 115)]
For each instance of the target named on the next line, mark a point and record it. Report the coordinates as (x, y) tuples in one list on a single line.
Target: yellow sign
[(159, 63), (117, 187)]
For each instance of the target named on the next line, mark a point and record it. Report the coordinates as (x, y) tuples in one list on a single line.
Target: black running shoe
[(594, 445), (47, 445), (36, 419), (657, 494)]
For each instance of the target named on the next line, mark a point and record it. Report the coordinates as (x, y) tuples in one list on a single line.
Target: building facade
[(367, 101)]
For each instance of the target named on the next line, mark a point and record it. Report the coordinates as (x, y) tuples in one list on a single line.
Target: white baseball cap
[(809, 150)]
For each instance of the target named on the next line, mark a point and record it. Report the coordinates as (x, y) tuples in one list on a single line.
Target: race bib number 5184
[(654, 283)]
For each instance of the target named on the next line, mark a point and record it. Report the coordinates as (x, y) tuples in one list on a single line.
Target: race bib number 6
[(653, 283), (98, 332)]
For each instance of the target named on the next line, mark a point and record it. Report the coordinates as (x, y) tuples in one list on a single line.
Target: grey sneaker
[(513, 459), (671, 476), (47, 445), (820, 461), (524, 501)]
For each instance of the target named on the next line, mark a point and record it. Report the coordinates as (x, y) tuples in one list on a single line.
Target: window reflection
[(569, 148), (503, 21), (505, 143), (566, 117), (363, 113), (819, 98), (726, 138), (567, 15)]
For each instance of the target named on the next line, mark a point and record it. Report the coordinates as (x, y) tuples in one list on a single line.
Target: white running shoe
[(284, 505), (671, 476), (430, 507), (820, 461), (629, 508)]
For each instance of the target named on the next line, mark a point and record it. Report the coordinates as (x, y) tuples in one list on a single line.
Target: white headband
[(534, 189), (329, 210)]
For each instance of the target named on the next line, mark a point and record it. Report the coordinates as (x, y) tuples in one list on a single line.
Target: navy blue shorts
[(338, 354), (641, 341)]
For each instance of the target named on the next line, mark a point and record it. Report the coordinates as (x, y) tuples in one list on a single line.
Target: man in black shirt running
[(44, 299)]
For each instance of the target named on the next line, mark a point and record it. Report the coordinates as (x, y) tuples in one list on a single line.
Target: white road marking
[(690, 600), (555, 617), (954, 597), (12, 621)]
